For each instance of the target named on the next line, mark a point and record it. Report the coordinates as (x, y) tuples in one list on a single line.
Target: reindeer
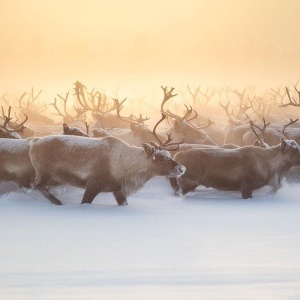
[(271, 135), (96, 103), (261, 139), (98, 165), (9, 131), (138, 134), (182, 128), (246, 169), (79, 117), (33, 108)]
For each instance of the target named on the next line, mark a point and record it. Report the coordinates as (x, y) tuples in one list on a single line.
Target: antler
[(119, 108), (261, 110), (139, 120), (131, 119), (206, 124), (256, 134), (292, 101), (31, 104), (19, 128), (167, 96), (79, 92), (80, 113), (167, 142), (285, 126), (94, 101), (277, 93), (242, 111), (240, 95), (262, 130), (226, 108), (194, 94), (207, 96)]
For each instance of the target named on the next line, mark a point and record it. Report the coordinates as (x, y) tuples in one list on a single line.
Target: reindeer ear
[(66, 128), (148, 149)]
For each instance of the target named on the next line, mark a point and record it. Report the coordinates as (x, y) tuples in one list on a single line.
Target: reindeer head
[(183, 128), (162, 161), (191, 134), (10, 132), (292, 150), (70, 130)]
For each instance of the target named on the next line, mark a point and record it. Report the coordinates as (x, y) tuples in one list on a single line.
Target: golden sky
[(134, 42)]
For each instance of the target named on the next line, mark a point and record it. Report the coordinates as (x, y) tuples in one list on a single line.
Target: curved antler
[(19, 128), (285, 126), (262, 130), (167, 142)]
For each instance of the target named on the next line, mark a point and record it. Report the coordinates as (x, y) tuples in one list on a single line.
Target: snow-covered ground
[(207, 245)]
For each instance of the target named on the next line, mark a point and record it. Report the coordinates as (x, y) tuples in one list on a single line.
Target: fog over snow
[(206, 245)]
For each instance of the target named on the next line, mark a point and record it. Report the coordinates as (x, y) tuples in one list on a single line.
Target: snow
[(207, 245)]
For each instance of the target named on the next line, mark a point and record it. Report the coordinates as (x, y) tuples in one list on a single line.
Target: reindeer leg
[(89, 195), (246, 190), (174, 184), (120, 197), (92, 189), (276, 182), (39, 184), (188, 188), (41, 180), (45, 192), (24, 181), (187, 185)]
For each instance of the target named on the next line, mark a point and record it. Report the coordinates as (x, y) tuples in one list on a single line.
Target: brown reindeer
[(245, 169), (30, 105), (271, 135), (136, 136), (80, 115), (182, 128), (9, 130), (98, 165)]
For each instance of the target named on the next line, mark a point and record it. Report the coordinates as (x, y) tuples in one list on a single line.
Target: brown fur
[(15, 164), (183, 131), (98, 165), (245, 169)]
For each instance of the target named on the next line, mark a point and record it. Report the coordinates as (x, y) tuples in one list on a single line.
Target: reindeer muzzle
[(178, 171)]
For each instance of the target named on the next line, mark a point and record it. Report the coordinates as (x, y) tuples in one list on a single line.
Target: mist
[(139, 45)]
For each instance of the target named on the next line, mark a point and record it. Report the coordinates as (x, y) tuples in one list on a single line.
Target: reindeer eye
[(159, 157)]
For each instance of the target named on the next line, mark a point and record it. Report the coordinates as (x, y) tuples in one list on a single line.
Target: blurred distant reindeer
[(33, 108)]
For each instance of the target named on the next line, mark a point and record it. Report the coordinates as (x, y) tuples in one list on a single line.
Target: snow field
[(206, 245)]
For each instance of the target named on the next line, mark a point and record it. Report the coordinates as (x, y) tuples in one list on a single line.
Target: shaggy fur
[(15, 164), (98, 165), (245, 169)]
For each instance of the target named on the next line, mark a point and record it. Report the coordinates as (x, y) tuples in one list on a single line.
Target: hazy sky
[(135, 42)]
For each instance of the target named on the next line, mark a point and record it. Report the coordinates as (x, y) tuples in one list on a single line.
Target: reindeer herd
[(225, 139)]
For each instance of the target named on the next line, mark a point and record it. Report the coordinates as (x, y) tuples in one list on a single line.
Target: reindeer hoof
[(124, 203)]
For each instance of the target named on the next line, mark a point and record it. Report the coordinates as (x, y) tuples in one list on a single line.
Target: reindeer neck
[(278, 162)]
